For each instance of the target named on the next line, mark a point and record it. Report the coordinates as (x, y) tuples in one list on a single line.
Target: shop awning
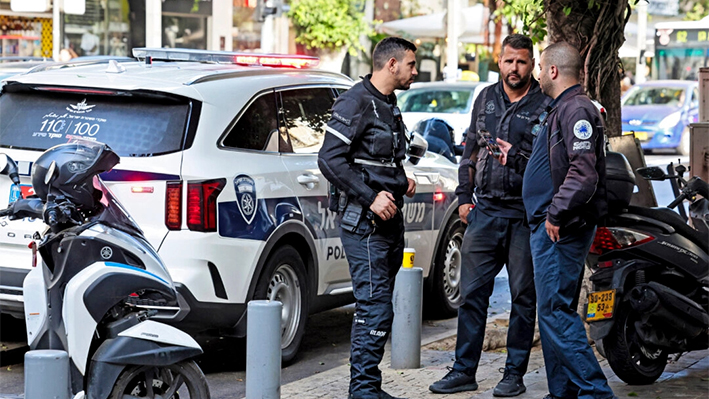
[(434, 25)]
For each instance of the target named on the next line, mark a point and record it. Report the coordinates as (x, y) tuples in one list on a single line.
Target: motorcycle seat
[(672, 218)]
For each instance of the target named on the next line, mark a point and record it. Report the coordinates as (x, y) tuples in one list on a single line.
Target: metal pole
[(642, 41), (406, 328), (56, 29), (47, 374), (263, 350)]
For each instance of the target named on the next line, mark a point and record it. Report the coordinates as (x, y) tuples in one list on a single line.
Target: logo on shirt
[(583, 129), (490, 107), (582, 145), (341, 118), (245, 188)]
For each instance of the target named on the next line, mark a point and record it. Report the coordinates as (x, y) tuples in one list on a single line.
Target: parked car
[(659, 114), (10, 66), (450, 101), (219, 168)]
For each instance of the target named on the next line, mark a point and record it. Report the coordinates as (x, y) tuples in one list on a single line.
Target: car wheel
[(283, 279), (443, 292), (683, 147)]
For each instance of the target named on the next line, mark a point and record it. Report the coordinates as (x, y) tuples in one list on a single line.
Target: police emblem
[(490, 107), (583, 129), (245, 189)]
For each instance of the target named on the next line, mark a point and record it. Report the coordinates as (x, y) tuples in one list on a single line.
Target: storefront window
[(108, 27), (184, 32), (247, 31)]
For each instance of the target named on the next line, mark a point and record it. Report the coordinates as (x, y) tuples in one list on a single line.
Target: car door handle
[(308, 180), (431, 176)]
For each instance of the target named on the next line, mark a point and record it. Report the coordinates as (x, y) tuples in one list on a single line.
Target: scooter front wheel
[(183, 380)]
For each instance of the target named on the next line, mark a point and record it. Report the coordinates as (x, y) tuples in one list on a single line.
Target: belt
[(384, 162)]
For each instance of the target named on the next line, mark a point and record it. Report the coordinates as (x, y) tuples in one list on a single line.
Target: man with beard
[(362, 157), (497, 233), (565, 196)]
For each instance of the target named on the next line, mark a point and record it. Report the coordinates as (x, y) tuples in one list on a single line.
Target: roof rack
[(225, 57), (79, 61)]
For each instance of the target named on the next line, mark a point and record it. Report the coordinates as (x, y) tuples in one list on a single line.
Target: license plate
[(600, 305), (642, 136)]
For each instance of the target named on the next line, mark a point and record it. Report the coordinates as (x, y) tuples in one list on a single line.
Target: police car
[(219, 168)]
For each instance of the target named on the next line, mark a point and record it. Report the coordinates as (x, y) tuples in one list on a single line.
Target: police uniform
[(564, 183), (362, 155)]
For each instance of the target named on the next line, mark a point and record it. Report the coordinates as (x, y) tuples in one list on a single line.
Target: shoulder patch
[(583, 129), (341, 118), (490, 107)]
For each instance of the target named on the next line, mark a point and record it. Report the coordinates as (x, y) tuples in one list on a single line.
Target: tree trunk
[(597, 33)]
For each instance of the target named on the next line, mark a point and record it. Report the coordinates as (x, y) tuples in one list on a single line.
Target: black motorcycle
[(650, 276)]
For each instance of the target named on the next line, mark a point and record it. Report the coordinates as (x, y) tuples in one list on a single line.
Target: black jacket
[(365, 145), (491, 179), (577, 160)]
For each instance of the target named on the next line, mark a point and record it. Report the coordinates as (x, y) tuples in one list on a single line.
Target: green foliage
[(530, 12), (698, 11), (328, 24)]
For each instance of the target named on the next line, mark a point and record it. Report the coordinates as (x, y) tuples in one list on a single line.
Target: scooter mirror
[(51, 172), (652, 173), (8, 167)]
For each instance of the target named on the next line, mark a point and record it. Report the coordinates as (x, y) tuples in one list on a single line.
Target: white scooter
[(98, 284)]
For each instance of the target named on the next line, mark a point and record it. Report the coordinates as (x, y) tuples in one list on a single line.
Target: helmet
[(75, 165)]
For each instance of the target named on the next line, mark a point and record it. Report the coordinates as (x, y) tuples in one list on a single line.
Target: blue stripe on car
[(134, 175)]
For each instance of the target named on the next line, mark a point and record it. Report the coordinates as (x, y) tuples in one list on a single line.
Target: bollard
[(263, 350), (406, 329), (47, 374)]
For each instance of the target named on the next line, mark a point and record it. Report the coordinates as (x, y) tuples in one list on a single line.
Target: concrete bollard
[(47, 374), (263, 350), (406, 329)]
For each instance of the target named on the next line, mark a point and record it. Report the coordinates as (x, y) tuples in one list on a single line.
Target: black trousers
[(375, 255)]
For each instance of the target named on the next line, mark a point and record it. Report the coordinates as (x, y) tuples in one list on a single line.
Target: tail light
[(611, 238), (173, 205), (438, 196), (202, 204)]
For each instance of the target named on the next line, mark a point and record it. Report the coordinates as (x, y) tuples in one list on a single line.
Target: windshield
[(114, 214), (655, 95), (445, 101)]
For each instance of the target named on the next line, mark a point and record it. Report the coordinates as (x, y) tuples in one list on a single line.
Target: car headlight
[(670, 120)]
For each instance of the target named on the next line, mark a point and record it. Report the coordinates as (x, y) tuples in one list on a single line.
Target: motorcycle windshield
[(114, 214)]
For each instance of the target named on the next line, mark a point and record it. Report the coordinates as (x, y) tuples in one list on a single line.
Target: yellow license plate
[(642, 136), (600, 305)]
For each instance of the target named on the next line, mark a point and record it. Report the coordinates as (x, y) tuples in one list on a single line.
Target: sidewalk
[(687, 378)]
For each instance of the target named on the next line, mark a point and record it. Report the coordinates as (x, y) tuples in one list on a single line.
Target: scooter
[(650, 277), (97, 284)]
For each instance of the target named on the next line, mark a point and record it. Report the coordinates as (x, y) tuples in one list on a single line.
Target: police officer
[(362, 156), (497, 233), (564, 195)]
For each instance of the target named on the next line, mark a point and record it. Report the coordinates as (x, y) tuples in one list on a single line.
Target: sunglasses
[(539, 122)]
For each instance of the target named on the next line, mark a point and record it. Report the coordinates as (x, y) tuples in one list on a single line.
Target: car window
[(306, 112), (439, 101), (255, 126), (652, 95), (133, 125), (695, 97)]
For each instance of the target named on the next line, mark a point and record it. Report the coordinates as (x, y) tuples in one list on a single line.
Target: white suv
[(219, 168)]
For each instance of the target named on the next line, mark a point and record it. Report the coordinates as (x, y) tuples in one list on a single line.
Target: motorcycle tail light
[(202, 204), (611, 238), (173, 205), (603, 265)]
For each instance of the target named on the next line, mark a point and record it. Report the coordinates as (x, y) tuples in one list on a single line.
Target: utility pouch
[(351, 216), (333, 198)]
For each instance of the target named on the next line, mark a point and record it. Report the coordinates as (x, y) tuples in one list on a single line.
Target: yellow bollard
[(409, 254)]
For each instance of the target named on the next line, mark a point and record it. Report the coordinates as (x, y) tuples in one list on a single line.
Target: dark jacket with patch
[(577, 160), (491, 179), (364, 145)]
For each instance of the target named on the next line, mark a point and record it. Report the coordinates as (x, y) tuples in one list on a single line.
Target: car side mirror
[(652, 173), (8, 167)]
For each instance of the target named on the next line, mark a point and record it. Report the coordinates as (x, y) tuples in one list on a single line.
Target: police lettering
[(336, 252)]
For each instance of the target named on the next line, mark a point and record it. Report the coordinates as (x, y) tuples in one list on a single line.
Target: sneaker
[(454, 381), (511, 385)]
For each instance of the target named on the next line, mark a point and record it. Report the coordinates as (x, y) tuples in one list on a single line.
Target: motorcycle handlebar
[(677, 200)]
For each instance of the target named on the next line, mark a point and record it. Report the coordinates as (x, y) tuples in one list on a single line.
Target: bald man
[(568, 157)]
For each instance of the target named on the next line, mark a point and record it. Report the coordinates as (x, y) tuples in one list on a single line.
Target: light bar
[(226, 57)]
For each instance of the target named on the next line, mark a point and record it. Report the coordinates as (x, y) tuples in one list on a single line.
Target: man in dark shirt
[(564, 195), (362, 156), (497, 234)]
